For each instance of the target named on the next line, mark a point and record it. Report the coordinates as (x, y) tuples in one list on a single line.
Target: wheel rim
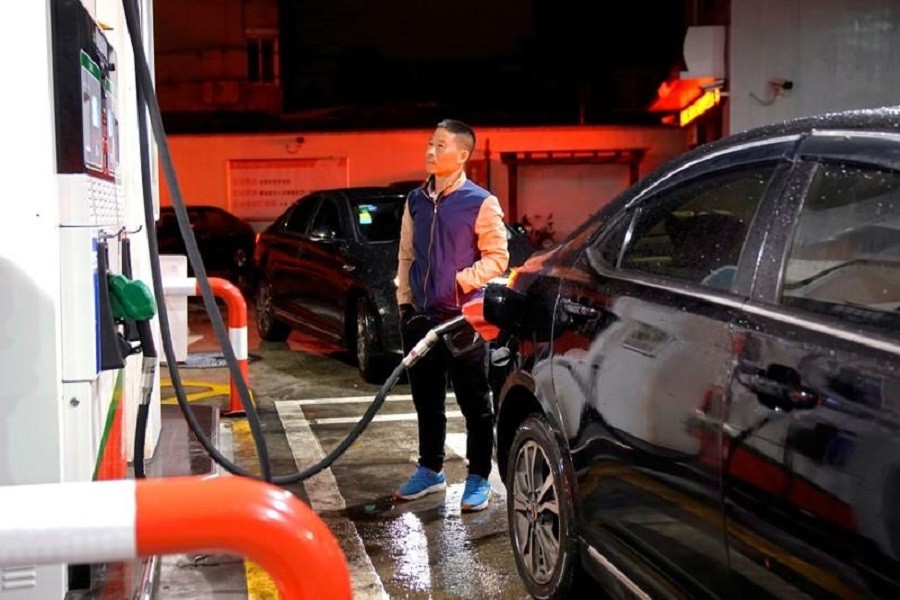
[(363, 325), (535, 519), (263, 307)]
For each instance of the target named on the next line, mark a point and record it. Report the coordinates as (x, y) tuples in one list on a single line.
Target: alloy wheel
[(535, 513), (365, 333)]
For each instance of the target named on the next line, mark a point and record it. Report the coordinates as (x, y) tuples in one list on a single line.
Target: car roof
[(883, 120), (356, 192), (886, 119)]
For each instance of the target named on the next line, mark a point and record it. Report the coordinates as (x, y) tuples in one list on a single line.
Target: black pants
[(428, 381)]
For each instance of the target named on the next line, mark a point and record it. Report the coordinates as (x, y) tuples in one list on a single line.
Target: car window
[(844, 259), (328, 221), (300, 217), (378, 219), (695, 232)]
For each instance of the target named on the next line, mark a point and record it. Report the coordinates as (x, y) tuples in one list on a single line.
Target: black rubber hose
[(148, 99), (148, 375)]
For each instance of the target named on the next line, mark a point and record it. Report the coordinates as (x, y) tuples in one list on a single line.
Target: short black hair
[(459, 128)]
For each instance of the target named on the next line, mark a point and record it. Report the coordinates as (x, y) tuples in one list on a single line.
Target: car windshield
[(378, 219)]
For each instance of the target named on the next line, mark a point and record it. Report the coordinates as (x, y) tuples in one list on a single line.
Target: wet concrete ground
[(308, 398)]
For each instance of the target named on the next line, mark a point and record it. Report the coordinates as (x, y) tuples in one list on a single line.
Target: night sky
[(501, 62)]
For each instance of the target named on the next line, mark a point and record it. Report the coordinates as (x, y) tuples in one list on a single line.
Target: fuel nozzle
[(433, 337)]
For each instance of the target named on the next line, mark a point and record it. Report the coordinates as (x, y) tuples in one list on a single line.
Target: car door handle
[(577, 309)]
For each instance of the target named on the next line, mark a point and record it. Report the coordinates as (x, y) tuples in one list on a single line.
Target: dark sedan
[(704, 396), (224, 241), (327, 266)]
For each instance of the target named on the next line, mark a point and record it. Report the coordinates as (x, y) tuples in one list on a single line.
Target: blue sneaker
[(423, 481), (477, 494)]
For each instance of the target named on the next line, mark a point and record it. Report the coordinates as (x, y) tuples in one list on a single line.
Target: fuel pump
[(65, 362)]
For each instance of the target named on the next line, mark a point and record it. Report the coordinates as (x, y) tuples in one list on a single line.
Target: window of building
[(262, 58)]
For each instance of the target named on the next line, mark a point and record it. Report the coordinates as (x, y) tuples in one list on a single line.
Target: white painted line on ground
[(351, 400), (451, 414), (321, 487), (324, 494), (358, 399)]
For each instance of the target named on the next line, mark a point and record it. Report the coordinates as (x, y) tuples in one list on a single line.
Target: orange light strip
[(699, 106)]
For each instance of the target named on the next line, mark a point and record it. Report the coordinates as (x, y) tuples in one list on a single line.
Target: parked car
[(327, 266), (704, 394), (225, 242)]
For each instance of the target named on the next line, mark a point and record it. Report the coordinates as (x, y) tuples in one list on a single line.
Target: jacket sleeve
[(491, 233), (405, 258)]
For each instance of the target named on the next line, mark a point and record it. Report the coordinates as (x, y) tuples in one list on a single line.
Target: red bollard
[(237, 327), (237, 334), (108, 521)]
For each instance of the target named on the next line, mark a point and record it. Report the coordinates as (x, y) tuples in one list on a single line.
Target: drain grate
[(210, 360)]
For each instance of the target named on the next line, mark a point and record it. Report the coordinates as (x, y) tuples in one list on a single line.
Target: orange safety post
[(114, 521), (237, 326), (269, 525), (237, 333)]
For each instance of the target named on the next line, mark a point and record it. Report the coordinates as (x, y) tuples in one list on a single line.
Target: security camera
[(781, 84)]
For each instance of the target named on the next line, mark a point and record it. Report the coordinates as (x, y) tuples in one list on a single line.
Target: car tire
[(535, 460), (270, 329), (366, 349)]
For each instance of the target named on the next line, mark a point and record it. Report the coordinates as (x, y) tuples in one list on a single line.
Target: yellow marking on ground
[(259, 585), (210, 390)]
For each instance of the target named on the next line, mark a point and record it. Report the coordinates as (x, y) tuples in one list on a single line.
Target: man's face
[(444, 155)]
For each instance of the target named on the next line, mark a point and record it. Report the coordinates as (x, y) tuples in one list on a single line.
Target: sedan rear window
[(378, 220), (845, 255)]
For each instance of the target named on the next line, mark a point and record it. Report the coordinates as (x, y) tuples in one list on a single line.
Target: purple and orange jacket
[(450, 247)]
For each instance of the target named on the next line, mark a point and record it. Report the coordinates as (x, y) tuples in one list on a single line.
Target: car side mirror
[(505, 308)]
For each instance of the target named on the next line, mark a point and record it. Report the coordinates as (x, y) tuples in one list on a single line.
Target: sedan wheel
[(540, 512), (366, 350), (270, 329)]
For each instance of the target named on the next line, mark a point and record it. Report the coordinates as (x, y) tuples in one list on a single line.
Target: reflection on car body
[(704, 398)]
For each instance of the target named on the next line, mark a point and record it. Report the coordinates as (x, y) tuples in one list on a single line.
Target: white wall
[(838, 53), (379, 157)]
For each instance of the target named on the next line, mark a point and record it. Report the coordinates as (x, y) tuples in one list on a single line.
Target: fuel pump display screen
[(84, 93), (91, 113)]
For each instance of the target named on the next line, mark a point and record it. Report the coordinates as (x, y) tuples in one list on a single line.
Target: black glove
[(407, 311)]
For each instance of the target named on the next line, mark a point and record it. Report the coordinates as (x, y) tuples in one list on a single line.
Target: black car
[(224, 241), (327, 266), (704, 395)]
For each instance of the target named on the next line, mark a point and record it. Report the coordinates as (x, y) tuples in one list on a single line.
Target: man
[(452, 242)]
